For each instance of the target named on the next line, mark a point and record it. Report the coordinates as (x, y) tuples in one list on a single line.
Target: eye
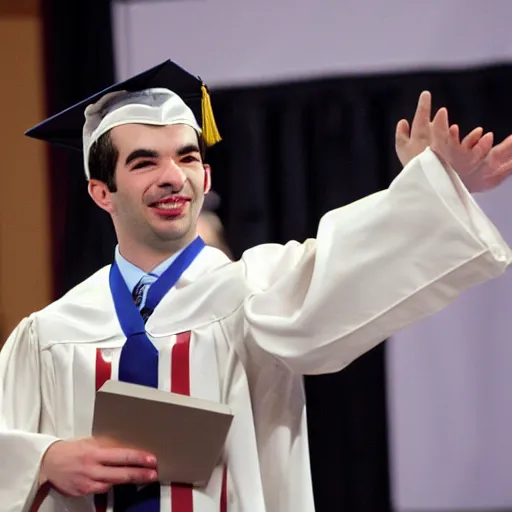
[(189, 159), (142, 164)]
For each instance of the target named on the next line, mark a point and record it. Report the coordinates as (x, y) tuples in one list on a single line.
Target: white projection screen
[(450, 377), (251, 41)]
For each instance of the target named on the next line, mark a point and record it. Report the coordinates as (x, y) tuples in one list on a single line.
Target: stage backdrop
[(449, 378), (249, 42)]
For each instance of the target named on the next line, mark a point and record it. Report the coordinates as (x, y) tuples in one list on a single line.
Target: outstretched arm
[(375, 267)]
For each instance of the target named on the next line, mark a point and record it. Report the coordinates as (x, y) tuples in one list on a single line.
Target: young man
[(241, 333)]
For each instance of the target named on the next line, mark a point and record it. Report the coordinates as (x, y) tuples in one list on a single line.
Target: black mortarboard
[(66, 127)]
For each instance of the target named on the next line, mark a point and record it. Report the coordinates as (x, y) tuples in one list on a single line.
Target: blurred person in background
[(172, 313), (209, 224)]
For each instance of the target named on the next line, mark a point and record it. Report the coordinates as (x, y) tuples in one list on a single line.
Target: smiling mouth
[(172, 207)]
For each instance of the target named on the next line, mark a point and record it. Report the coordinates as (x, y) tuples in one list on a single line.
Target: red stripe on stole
[(103, 373), (181, 495), (41, 495), (224, 491)]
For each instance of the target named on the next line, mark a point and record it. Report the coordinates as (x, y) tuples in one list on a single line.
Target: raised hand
[(89, 466), (444, 140), (479, 165)]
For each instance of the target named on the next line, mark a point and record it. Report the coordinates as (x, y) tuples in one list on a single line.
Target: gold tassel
[(210, 132)]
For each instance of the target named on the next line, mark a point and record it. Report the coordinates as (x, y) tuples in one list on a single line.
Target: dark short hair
[(103, 160), (103, 156)]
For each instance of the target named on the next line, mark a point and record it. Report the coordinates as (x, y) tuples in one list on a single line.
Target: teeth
[(168, 206)]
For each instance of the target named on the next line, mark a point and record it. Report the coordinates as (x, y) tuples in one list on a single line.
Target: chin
[(173, 235), (173, 229)]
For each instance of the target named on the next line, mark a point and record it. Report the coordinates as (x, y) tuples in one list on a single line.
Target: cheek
[(197, 179), (129, 198), (139, 186)]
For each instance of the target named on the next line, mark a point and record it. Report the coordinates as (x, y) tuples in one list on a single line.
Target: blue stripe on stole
[(138, 363)]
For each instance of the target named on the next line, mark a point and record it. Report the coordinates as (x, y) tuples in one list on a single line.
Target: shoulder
[(84, 314), (84, 294)]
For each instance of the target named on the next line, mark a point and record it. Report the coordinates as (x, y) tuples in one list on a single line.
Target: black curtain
[(290, 153)]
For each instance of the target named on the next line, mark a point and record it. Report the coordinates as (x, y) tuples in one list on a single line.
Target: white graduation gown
[(252, 328)]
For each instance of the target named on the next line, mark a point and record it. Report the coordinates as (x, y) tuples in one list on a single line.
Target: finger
[(455, 134), (88, 486), (402, 132), (99, 487), (125, 457), (124, 475), (422, 116), (440, 124), (472, 138), (503, 151), (483, 146)]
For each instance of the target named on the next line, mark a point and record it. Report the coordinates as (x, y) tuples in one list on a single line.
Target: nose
[(172, 176)]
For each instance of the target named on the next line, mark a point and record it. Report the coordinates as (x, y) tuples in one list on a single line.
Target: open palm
[(479, 165)]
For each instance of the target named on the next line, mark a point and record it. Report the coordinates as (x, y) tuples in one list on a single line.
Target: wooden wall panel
[(19, 8), (25, 258)]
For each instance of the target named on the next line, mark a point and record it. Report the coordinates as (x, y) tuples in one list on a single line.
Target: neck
[(148, 257)]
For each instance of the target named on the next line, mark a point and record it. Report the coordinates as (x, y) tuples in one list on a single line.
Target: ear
[(101, 195), (207, 178)]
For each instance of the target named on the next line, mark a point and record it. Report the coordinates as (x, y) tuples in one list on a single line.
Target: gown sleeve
[(376, 266), (21, 446)]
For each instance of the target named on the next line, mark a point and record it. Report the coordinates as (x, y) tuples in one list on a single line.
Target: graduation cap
[(162, 95)]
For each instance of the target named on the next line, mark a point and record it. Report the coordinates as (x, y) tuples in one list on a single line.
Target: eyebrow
[(140, 153), (187, 149)]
